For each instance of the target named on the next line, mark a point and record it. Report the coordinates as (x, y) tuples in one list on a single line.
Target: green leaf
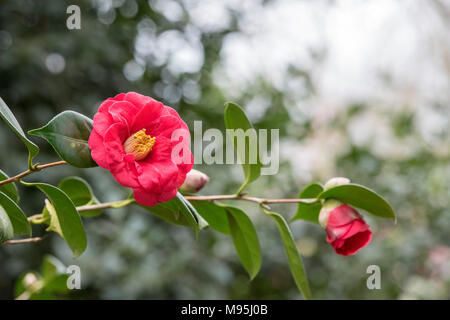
[(231, 220), (51, 267), (18, 218), (68, 133), (57, 284), (54, 275), (235, 118), (189, 212), (177, 211), (245, 240), (79, 191), (6, 228), (361, 197), (294, 259), (215, 215), (309, 211), (10, 189), (167, 211), (66, 216), (49, 214), (8, 117)]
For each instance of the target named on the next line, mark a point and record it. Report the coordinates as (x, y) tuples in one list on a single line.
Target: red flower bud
[(195, 181), (346, 229)]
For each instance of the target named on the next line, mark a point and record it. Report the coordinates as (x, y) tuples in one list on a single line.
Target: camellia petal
[(120, 164), (342, 215), (138, 100), (149, 168), (124, 112), (98, 149), (166, 173), (346, 229), (151, 199), (148, 116), (103, 120), (353, 244)]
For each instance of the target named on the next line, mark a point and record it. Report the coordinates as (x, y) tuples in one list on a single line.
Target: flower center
[(140, 144)]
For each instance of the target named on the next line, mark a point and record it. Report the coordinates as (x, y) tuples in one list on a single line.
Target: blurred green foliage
[(128, 45)]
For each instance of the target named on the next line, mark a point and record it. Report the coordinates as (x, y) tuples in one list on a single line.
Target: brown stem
[(260, 201), (117, 204), (106, 205), (21, 241), (28, 172), (246, 198)]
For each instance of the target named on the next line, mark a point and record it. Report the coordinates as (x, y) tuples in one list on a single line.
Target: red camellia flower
[(346, 229), (144, 144)]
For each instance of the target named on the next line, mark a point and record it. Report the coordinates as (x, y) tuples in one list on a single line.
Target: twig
[(28, 172), (21, 241), (118, 204), (260, 201), (246, 198), (106, 205)]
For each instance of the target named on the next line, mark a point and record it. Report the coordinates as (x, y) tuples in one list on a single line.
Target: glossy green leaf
[(10, 189), (6, 227), (235, 118), (245, 240), (309, 211), (68, 133), (18, 218), (189, 212), (177, 211), (79, 191), (294, 259), (167, 211), (8, 117), (215, 215), (361, 197), (67, 217)]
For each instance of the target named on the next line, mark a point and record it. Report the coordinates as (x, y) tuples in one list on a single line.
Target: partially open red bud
[(195, 181), (328, 206), (346, 229), (337, 181)]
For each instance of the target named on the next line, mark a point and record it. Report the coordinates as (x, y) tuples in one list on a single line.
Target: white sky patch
[(388, 54), (363, 41), (209, 15), (172, 10), (182, 51)]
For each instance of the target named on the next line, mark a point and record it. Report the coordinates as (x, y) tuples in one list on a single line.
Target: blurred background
[(357, 88)]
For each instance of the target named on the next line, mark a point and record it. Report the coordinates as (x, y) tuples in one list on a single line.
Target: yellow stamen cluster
[(140, 144)]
